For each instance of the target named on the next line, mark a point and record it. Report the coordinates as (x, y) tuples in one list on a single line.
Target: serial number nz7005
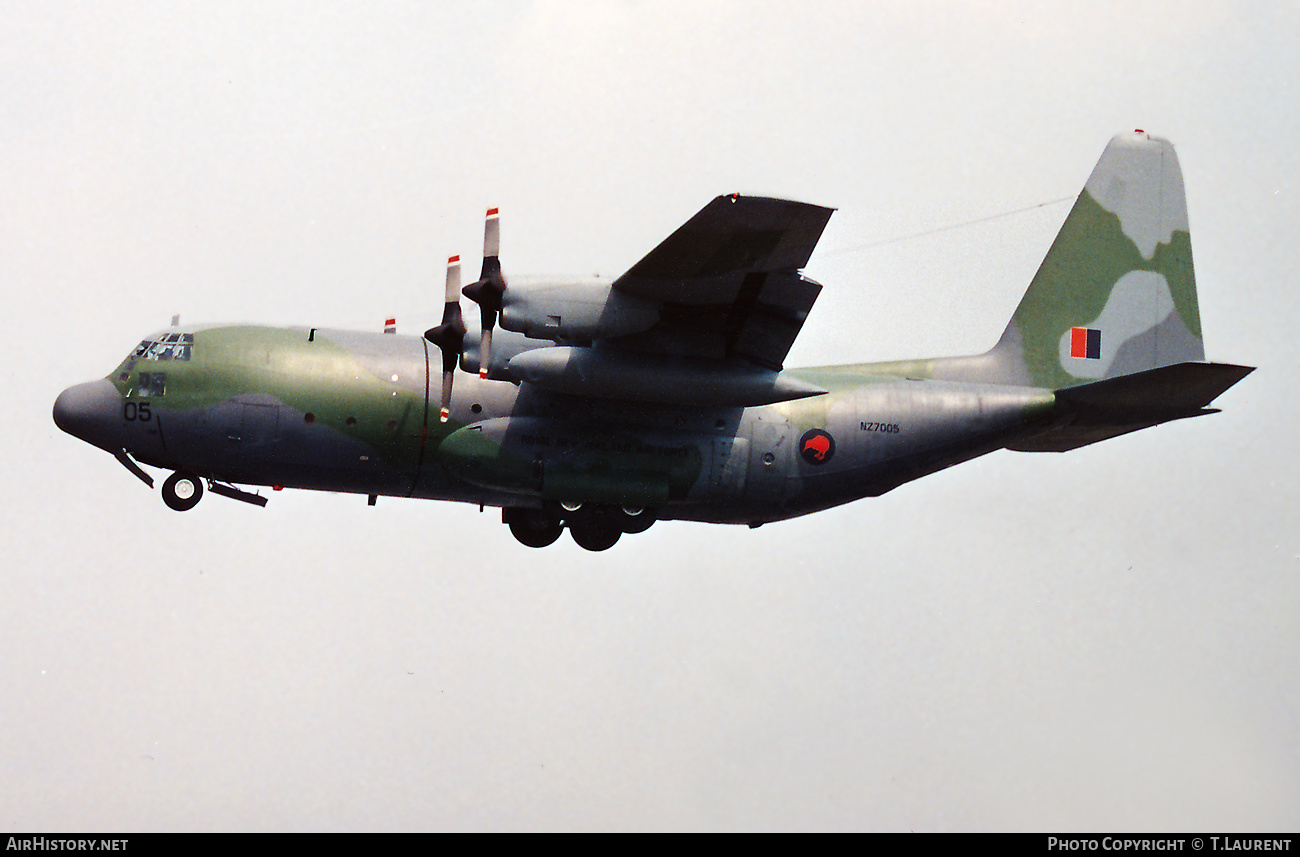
[(887, 428)]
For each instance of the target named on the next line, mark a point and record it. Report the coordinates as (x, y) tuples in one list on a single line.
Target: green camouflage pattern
[(1106, 340), (1121, 265)]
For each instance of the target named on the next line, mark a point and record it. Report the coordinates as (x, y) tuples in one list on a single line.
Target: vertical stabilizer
[(1116, 293)]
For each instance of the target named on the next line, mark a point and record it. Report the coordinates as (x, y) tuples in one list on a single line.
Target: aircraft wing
[(727, 281)]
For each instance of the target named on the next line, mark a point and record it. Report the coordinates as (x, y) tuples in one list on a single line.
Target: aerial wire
[(857, 248)]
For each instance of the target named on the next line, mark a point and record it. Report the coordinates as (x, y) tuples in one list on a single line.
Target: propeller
[(450, 335), (488, 290)]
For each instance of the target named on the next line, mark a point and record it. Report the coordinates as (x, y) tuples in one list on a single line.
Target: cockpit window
[(151, 384), (172, 346)]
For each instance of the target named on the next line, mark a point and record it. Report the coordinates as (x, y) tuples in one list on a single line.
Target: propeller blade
[(492, 235), (486, 318), (453, 283), (488, 290), (450, 335)]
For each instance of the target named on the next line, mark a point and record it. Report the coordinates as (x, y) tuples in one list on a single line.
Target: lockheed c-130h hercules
[(602, 405)]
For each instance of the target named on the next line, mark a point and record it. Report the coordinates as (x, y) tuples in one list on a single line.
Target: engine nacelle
[(574, 310), (613, 374)]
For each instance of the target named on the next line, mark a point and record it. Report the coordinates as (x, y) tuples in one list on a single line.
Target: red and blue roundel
[(816, 446)]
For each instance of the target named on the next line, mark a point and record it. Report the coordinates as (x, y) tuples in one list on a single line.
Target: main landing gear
[(595, 528), (535, 528)]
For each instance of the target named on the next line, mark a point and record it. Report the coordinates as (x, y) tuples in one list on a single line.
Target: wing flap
[(767, 316), (727, 281), (706, 260)]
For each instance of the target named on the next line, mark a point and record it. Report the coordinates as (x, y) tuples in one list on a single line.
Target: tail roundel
[(1116, 293)]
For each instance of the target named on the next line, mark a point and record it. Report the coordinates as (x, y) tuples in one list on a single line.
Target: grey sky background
[(1104, 639)]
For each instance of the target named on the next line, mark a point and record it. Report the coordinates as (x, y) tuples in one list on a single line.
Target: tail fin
[(1116, 293)]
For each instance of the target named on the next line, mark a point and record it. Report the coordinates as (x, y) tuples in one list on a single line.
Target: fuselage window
[(152, 384)]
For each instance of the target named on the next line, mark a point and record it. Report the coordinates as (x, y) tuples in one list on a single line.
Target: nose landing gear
[(182, 491)]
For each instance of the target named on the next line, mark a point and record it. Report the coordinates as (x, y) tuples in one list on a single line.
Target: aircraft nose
[(89, 411)]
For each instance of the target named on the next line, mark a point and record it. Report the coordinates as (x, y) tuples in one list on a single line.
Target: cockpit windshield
[(171, 346)]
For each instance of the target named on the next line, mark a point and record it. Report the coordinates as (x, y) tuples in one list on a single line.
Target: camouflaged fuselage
[(656, 397), (357, 412)]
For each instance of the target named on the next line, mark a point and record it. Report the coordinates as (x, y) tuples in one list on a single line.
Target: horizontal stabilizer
[(1116, 406)]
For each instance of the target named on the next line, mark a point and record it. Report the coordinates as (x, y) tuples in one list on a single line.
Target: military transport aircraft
[(602, 405)]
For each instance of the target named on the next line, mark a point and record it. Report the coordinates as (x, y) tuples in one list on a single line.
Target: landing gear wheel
[(182, 491), (534, 536), (595, 531), (533, 528), (633, 521)]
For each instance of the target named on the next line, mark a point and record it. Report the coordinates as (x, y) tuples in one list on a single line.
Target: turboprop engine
[(574, 310)]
